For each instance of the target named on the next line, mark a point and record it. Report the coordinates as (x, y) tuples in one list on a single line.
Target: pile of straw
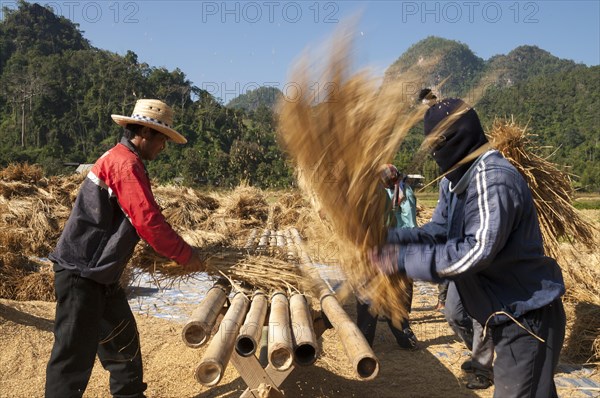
[(184, 207), (582, 303), (246, 203), (34, 209), (19, 277), (338, 146), (292, 209), (551, 188), (23, 172)]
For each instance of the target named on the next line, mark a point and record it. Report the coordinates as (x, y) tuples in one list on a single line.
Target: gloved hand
[(387, 260), (195, 263)]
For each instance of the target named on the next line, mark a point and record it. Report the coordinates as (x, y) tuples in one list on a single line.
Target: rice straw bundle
[(23, 172), (291, 209), (12, 189), (36, 221), (582, 303), (266, 273), (338, 146), (255, 272), (246, 203), (14, 268), (184, 207), (551, 188), (37, 285), (148, 260), (583, 332), (64, 189)]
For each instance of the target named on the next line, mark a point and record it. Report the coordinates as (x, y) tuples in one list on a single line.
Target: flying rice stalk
[(338, 146)]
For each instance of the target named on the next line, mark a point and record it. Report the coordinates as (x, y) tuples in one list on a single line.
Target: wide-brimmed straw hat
[(154, 114)]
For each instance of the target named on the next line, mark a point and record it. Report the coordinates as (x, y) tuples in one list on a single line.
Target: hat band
[(149, 119)]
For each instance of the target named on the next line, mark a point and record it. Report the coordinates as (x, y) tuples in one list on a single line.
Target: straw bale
[(338, 145), (292, 209), (246, 203), (551, 187), (37, 222), (11, 189), (36, 286), (14, 267), (184, 207), (23, 172), (64, 189), (583, 332)]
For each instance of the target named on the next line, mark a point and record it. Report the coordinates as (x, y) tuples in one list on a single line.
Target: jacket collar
[(129, 145), (463, 183)]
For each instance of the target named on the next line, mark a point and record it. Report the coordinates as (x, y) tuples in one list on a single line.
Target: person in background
[(442, 295), (401, 212), (114, 208), (485, 237)]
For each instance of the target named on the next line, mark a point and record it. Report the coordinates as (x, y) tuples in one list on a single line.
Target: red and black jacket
[(115, 207)]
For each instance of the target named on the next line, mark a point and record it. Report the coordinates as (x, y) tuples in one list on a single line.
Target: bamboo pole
[(272, 238), (263, 242), (197, 329), (250, 245), (210, 370), (360, 354), (291, 251), (249, 337), (272, 243), (280, 337), (305, 340)]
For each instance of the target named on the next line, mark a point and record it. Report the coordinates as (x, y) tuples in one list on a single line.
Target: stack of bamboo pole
[(286, 319)]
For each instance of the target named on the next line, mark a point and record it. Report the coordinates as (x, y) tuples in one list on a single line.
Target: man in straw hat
[(485, 236), (115, 207)]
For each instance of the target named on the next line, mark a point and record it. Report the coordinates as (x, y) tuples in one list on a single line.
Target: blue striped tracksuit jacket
[(484, 235)]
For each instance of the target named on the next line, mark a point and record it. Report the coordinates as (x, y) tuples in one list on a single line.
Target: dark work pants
[(93, 318), (525, 366), (471, 333), (367, 323)]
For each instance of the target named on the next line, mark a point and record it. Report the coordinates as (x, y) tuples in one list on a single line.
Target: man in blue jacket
[(485, 236)]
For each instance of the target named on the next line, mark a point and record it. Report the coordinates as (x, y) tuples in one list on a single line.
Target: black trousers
[(91, 319), (525, 366), (367, 323)]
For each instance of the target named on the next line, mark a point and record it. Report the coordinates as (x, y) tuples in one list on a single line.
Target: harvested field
[(226, 220)]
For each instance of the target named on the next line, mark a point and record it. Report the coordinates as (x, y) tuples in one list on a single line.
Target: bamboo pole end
[(367, 368), (209, 373), (281, 358), (194, 335)]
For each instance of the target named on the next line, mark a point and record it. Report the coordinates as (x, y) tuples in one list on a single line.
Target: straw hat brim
[(169, 132)]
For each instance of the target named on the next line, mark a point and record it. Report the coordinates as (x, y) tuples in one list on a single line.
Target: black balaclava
[(459, 139)]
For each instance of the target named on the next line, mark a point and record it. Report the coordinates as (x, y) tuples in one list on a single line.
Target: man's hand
[(386, 259), (195, 263)]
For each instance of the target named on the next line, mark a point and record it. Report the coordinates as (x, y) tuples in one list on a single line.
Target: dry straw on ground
[(338, 146), (582, 302)]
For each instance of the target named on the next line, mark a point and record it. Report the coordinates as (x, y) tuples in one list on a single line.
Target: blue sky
[(227, 47)]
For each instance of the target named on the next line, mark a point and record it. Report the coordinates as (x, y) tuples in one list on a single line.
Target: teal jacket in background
[(404, 216)]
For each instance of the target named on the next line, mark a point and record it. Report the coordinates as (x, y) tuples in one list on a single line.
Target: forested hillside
[(558, 99), (57, 93)]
